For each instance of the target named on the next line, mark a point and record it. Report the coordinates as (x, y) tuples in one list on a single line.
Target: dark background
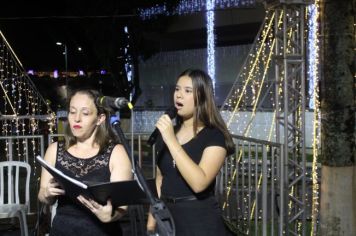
[(33, 27)]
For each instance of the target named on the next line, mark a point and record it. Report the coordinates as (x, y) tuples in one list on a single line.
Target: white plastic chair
[(12, 204)]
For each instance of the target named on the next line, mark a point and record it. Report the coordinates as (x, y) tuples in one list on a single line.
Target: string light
[(191, 6), (22, 106), (250, 71), (128, 60), (247, 74), (247, 90), (314, 103), (210, 17)]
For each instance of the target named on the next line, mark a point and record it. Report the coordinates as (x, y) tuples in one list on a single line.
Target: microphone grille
[(100, 101), (171, 112)]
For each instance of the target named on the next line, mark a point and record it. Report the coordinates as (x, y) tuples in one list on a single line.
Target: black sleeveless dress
[(72, 218)]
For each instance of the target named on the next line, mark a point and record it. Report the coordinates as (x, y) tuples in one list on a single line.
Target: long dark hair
[(104, 134), (205, 109)]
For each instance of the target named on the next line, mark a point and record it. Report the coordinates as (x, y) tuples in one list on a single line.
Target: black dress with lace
[(71, 217)]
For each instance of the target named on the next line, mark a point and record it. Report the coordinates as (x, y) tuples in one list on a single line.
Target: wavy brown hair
[(104, 134), (205, 108)]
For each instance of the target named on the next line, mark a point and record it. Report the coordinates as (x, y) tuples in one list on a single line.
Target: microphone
[(171, 112), (112, 102)]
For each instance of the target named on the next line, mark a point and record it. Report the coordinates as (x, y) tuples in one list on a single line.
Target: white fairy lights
[(191, 6), (313, 50), (210, 15), (21, 108), (247, 94), (313, 76)]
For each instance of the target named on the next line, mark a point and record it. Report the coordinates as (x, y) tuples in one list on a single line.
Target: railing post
[(282, 192), (264, 191)]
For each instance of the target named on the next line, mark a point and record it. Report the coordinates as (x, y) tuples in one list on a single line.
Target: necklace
[(174, 163)]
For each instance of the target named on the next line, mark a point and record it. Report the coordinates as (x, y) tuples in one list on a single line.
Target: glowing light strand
[(313, 50), (253, 63), (313, 59), (191, 6), (21, 105), (210, 15), (254, 109), (251, 68)]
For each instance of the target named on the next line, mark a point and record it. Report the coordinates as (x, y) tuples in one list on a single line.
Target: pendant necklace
[(174, 163)]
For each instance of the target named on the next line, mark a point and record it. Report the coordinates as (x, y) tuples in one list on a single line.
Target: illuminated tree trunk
[(338, 178)]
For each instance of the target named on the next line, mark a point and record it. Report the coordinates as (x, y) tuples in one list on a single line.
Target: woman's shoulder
[(51, 152), (213, 136), (213, 131), (119, 156), (52, 146), (118, 150), (117, 147)]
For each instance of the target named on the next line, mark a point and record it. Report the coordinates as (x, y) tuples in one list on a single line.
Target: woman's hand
[(104, 213), (165, 126), (53, 189), (151, 225)]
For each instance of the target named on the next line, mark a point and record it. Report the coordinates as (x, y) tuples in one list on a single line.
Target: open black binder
[(121, 192)]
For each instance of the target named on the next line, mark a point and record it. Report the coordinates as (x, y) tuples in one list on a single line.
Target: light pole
[(65, 64)]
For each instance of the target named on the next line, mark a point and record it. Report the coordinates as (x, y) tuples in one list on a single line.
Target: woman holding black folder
[(191, 156), (90, 154)]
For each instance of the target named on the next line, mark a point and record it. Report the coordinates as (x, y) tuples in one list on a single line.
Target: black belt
[(179, 199), (185, 198)]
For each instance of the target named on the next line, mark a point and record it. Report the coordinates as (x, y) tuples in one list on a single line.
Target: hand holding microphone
[(163, 121)]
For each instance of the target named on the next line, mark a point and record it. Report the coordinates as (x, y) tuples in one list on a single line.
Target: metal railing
[(17, 148), (250, 187)]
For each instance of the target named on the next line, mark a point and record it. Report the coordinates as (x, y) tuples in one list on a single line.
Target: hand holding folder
[(120, 192)]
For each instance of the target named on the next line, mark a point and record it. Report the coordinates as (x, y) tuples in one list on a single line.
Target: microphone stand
[(164, 220)]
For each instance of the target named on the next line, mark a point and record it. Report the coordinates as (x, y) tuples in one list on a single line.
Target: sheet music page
[(51, 169)]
